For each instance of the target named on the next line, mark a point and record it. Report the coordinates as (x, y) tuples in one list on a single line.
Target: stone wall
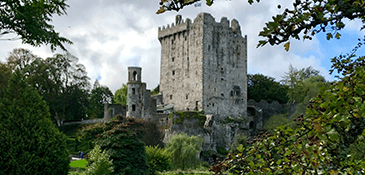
[(88, 121), (204, 66), (215, 132), (269, 109), (111, 110)]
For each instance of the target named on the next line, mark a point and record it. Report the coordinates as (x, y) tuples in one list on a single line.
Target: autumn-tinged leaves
[(176, 5)]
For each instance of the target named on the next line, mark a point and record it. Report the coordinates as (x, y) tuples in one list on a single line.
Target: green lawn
[(78, 163)]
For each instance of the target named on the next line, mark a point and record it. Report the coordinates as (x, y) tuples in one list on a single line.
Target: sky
[(110, 35)]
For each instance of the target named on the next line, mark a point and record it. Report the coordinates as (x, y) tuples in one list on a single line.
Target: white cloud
[(110, 35)]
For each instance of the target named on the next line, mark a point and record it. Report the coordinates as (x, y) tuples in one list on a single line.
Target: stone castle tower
[(204, 66), (139, 102)]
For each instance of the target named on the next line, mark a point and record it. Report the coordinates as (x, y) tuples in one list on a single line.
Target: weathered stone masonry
[(204, 66)]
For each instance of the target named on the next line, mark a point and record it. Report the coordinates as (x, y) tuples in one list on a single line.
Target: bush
[(184, 150), (122, 141), (241, 139), (30, 143), (157, 159), (152, 135), (98, 162)]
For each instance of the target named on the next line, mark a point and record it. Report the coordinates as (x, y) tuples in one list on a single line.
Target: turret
[(134, 92)]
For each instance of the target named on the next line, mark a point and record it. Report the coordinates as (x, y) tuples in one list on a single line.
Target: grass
[(78, 163)]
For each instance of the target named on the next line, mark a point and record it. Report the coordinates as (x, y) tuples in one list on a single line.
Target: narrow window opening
[(173, 72), (231, 93), (222, 94), (208, 47), (187, 96), (134, 76), (252, 124), (213, 104), (133, 91), (173, 59), (133, 107), (188, 59), (170, 97)]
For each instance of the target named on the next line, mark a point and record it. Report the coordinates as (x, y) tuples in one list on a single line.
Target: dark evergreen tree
[(30, 143)]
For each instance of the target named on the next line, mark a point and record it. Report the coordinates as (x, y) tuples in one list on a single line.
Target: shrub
[(122, 141), (152, 135), (184, 150), (30, 143), (98, 162), (157, 159)]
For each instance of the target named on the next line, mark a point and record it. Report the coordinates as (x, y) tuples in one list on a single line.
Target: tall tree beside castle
[(261, 87), (60, 80), (99, 96)]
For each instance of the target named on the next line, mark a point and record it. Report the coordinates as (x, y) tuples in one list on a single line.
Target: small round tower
[(134, 92)]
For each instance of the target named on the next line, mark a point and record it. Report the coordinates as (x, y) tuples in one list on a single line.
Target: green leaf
[(278, 162), (338, 35), (329, 36), (209, 2), (333, 136), (240, 148)]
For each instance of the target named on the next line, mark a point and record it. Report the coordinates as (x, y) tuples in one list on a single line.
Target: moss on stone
[(188, 114)]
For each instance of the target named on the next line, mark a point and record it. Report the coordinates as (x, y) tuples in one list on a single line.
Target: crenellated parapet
[(182, 25), (179, 26)]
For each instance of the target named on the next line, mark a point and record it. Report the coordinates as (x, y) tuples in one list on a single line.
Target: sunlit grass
[(78, 163)]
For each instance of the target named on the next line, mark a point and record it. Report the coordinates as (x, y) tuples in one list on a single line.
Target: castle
[(203, 69)]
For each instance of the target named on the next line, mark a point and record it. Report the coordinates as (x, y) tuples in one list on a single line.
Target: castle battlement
[(181, 26)]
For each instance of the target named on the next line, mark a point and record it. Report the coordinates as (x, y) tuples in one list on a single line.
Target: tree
[(158, 159), (304, 84), (31, 21), (261, 87), (156, 90), (5, 73), (184, 150), (329, 138), (30, 142), (60, 80), (63, 83), (20, 58), (120, 96), (122, 139), (98, 162), (99, 96)]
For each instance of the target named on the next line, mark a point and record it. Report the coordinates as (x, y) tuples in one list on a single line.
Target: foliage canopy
[(31, 21), (30, 142)]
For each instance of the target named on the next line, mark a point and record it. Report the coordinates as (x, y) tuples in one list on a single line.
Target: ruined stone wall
[(215, 132), (111, 110), (269, 109)]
